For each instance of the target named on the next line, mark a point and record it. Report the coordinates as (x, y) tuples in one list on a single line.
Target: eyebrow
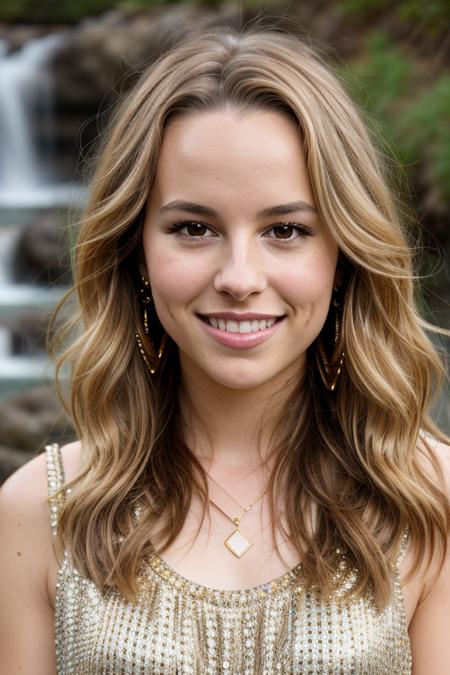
[(200, 209)]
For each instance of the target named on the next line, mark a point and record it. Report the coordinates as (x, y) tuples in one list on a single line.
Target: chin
[(240, 380)]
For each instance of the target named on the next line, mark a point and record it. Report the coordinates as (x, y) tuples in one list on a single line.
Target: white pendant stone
[(238, 543)]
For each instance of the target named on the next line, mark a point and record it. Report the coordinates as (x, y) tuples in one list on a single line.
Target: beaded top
[(179, 626)]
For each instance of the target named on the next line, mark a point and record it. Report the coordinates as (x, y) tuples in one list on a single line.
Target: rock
[(103, 56), (40, 254), (28, 333), (18, 35), (27, 423)]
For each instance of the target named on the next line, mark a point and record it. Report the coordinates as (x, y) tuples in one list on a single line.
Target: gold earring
[(150, 355), (330, 368)]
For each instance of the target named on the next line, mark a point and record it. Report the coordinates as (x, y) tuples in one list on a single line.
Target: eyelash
[(302, 230)]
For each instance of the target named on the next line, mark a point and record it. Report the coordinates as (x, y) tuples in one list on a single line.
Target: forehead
[(248, 152)]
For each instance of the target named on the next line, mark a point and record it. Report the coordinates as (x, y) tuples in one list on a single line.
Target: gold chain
[(238, 543), (231, 496)]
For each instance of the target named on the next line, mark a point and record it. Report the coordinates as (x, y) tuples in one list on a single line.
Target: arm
[(429, 629), (26, 616)]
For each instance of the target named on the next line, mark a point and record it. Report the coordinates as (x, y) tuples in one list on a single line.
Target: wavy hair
[(354, 457)]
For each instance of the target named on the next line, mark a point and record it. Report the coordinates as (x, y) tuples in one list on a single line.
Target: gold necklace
[(237, 542), (232, 472)]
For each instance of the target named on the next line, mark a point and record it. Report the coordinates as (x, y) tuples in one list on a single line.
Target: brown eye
[(189, 230), (196, 229), (283, 231), (289, 231)]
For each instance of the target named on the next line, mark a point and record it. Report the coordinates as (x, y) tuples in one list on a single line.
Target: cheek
[(175, 278), (309, 284)]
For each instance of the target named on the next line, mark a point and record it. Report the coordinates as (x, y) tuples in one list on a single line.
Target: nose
[(240, 271)]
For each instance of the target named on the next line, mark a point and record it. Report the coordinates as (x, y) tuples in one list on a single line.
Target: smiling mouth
[(233, 326)]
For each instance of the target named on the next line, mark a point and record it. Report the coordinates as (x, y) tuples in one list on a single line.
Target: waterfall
[(18, 372), (27, 184), (26, 85)]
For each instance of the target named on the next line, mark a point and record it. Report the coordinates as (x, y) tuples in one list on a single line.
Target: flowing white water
[(26, 183), (26, 84), (19, 80), (19, 371)]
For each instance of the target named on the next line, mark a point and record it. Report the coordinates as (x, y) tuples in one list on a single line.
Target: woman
[(249, 349)]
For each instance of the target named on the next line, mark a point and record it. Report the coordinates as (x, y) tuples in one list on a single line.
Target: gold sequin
[(181, 627)]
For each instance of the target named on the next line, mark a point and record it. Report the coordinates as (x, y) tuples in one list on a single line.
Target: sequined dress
[(181, 627)]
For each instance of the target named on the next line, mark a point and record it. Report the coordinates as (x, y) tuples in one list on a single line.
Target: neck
[(231, 427)]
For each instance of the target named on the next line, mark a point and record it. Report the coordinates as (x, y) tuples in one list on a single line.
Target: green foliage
[(386, 72), (67, 11), (406, 110), (49, 11), (433, 14), (425, 131)]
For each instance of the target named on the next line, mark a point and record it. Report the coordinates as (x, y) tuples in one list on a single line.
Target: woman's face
[(241, 281)]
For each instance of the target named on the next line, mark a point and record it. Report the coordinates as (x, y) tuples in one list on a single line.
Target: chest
[(199, 554), (190, 629)]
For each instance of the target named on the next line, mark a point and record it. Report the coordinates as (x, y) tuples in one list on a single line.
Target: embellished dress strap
[(403, 547), (55, 481)]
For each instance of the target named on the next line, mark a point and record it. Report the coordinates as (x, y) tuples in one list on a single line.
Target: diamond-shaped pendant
[(238, 543)]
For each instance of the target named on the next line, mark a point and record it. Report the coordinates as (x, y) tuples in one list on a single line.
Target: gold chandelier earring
[(330, 366), (150, 355)]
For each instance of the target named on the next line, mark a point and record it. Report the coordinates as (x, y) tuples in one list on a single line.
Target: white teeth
[(245, 326), (241, 326), (232, 327)]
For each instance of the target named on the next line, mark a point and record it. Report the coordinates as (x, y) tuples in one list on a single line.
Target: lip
[(240, 340)]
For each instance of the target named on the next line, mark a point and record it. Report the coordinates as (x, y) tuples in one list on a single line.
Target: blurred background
[(63, 66)]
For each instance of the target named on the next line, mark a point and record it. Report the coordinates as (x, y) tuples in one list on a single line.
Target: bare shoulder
[(442, 453), (27, 486), (24, 508), (26, 555), (439, 460), (428, 629), (24, 493)]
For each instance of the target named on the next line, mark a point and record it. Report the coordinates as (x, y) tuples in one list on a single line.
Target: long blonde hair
[(353, 455)]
